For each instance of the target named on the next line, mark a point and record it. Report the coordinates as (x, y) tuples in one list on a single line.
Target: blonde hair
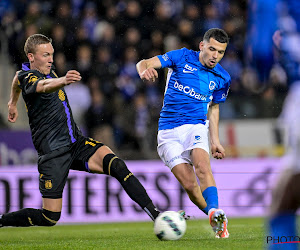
[(33, 41)]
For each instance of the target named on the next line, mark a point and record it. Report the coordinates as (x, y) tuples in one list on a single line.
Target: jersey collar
[(25, 66)]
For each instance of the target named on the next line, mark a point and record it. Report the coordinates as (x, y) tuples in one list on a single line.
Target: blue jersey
[(190, 87)]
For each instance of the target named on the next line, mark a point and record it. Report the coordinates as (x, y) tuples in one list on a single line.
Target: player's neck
[(33, 67)]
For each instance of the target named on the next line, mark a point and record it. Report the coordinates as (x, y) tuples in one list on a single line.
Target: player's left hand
[(12, 113), (217, 151)]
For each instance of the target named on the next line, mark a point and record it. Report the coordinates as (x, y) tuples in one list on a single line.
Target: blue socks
[(210, 195), (282, 228)]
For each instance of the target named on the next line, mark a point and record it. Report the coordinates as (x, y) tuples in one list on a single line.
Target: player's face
[(211, 52), (42, 59)]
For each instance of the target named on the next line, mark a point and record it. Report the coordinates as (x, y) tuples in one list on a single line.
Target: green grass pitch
[(245, 233)]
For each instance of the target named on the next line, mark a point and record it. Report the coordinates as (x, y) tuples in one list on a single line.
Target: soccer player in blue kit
[(196, 84)]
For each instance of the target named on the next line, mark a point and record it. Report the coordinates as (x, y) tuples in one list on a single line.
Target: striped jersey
[(190, 87)]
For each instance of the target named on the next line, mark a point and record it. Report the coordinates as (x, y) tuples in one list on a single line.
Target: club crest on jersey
[(212, 85), (48, 184), (61, 95)]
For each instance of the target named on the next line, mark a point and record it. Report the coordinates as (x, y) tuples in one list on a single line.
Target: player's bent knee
[(116, 167), (50, 218), (190, 187)]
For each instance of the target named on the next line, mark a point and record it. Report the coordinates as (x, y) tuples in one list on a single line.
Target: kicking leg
[(186, 176), (104, 161)]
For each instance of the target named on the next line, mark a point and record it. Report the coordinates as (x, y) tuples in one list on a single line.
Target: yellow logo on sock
[(125, 179)]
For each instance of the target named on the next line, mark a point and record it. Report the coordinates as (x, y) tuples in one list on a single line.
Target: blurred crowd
[(104, 40)]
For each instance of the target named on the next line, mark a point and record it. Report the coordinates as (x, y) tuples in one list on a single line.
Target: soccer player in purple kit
[(196, 84), (57, 139)]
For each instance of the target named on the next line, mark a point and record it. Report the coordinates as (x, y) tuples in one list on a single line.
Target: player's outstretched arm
[(14, 97), (146, 68), (52, 84), (217, 149)]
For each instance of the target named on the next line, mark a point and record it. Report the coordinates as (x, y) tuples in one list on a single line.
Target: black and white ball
[(169, 225)]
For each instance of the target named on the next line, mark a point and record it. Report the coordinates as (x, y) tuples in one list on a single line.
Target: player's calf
[(116, 167), (30, 217)]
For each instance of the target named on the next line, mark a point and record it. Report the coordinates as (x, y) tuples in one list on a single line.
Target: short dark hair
[(217, 34), (34, 40)]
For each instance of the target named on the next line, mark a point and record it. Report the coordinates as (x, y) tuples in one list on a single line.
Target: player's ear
[(30, 57), (201, 44)]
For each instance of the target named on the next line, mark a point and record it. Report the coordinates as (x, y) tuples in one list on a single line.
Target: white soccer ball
[(169, 225)]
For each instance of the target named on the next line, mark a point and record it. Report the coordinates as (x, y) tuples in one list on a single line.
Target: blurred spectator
[(11, 28), (186, 32), (63, 16), (35, 16), (211, 18), (89, 20), (132, 15), (128, 81), (98, 119), (192, 13), (84, 60), (233, 65), (81, 92), (61, 64), (59, 40), (20, 41), (106, 69), (162, 19)]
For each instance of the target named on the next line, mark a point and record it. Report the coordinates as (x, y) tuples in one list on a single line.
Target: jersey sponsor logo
[(48, 184), (212, 85), (190, 91), (189, 69), (165, 57)]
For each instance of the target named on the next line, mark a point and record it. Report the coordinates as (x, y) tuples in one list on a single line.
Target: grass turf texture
[(245, 233)]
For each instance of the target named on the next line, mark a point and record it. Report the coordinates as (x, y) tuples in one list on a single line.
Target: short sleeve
[(221, 94), (28, 82), (169, 59)]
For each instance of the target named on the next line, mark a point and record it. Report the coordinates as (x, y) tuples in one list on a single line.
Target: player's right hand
[(72, 76), (149, 74)]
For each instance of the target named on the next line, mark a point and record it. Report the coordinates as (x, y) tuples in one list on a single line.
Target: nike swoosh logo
[(187, 71)]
